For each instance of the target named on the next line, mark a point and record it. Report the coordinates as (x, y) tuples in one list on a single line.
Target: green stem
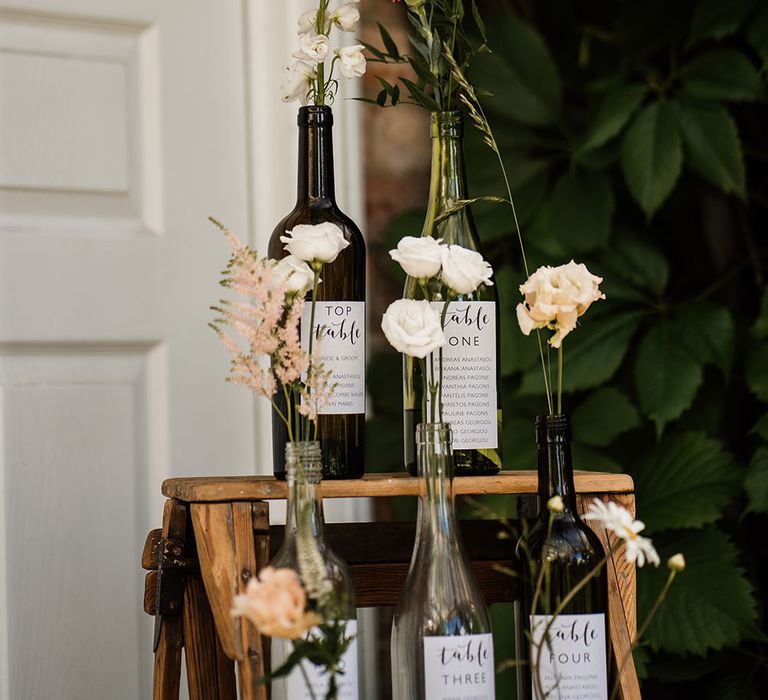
[(424, 389), (560, 380), (442, 325), (316, 267)]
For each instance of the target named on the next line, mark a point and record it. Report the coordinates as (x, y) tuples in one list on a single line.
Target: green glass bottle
[(470, 359)]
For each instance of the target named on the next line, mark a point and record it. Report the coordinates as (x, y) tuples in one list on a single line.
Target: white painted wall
[(123, 125)]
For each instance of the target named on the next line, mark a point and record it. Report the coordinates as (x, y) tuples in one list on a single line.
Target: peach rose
[(276, 603)]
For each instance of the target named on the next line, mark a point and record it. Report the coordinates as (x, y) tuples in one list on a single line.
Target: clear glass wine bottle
[(340, 307), (557, 553), (442, 646), (303, 549), (470, 358)]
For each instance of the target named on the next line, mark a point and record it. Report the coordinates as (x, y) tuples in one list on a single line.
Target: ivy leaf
[(667, 377), (592, 355), (761, 428), (760, 329), (757, 371), (612, 115), (714, 19), (603, 416), (685, 481), (710, 605), (758, 34), (522, 64), (707, 332), (578, 212), (637, 261), (713, 147), (756, 483), (651, 155), (725, 74)]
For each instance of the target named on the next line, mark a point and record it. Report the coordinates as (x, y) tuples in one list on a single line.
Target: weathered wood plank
[(150, 556), (166, 678), (253, 488), (210, 673), (621, 636)]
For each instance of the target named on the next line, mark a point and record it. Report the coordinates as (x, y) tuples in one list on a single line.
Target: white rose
[(419, 257), (351, 61), (295, 274), (413, 327), (345, 17), (314, 48), (464, 270), (315, 243), (555, 297), (297, 81)]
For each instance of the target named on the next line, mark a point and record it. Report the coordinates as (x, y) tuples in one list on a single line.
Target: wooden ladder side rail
[(233, 545), (622, 599)]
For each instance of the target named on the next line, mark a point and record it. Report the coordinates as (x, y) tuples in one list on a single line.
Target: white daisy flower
[(618, 520)]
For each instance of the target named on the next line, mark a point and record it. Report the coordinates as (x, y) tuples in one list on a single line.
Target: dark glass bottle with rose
[(339, 323)]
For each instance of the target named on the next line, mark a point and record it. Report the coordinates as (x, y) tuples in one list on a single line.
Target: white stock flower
[(295, 274), (555, 297), (345, 16), (413, 327), (351, 61), (619, 520), (315, 243), (297, 82), (464, 270), (308, 23), (314, 48), (419, 257)]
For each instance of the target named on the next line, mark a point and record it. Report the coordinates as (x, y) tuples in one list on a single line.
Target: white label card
[(459, 668), (469, 374), (572, 663), (296, 685), (340, 329)]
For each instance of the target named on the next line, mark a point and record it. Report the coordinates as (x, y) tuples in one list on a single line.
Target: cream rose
[(555, 297), (346, 16), (464, 270), (314, 48), (295, 274), (419, 257), (276, 603), (315, 243), (413, 327), (297, 81), (351, 61)]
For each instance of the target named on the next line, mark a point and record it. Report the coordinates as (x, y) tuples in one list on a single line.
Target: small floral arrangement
[(260, 330), (554, 299), (414, 327), (307, 79)]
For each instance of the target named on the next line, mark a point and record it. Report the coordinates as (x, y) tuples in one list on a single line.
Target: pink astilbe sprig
[(260, 330)]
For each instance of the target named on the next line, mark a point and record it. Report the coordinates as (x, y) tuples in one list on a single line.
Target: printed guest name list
[(469, 374), (340, 330)]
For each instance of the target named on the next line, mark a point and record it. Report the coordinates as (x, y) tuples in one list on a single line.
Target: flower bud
[(676, 562), (555, 504)]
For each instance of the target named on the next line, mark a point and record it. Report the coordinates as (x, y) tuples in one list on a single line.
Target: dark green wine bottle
[(553, 561), (340, 307), (470, 359)]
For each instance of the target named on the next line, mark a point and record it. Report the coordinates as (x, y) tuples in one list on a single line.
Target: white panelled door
[(123, 125)]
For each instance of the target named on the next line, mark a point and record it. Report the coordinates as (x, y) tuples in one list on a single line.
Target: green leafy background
[(636, 138)]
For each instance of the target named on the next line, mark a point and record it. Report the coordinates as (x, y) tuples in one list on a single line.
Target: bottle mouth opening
[(450, 124), (315, 115), (304, 457), (434, 432), (553, 428)]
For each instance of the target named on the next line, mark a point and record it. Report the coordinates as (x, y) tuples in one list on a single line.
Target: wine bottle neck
[(304, 503), (436, 517), (315, 170), (553, 442), (447, 178)]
